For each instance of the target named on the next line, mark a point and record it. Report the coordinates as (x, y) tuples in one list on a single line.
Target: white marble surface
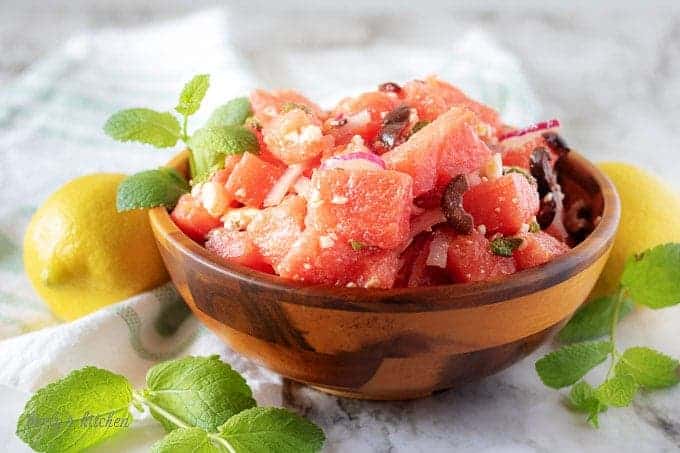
[(611, 73)]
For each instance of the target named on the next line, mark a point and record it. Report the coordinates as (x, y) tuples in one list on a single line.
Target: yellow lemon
[(650, 215), (81, 254)]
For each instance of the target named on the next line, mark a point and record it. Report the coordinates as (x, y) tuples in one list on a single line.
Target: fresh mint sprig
[(223, 135), (651, 279), (204, 404)]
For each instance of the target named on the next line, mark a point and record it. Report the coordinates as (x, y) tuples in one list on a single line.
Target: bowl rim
[(457, 295)]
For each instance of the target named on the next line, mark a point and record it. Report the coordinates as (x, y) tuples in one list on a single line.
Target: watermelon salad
[(405, 186)]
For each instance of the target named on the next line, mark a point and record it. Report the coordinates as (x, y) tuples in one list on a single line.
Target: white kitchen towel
[(50, 130)]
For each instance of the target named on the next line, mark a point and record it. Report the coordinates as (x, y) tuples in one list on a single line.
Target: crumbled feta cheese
[(338, 199), (524, 228), (497, 210), (413, 117), (515, 200), (196, 190), (493, 168), (358, 140), (482, 229), (310, 133), (351, 285), (307, 266), (548, 197), (326, 242), (240, 192), (214, 198), (373, 282), (238, 219)]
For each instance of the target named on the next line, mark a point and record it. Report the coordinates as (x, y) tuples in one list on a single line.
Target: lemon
[(81, 254), (650, 215)]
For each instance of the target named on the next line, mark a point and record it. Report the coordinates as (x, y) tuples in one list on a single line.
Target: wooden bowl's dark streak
[(389, 344)]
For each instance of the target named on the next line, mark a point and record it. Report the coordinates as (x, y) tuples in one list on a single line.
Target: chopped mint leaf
[(186, 440), (653, 277), (160, 129), (288, 106), (151, 188), (271, 430), (201, 391), (356, 245), (77, 411), (593, 319), (233, 113), (192, 95), (504, 246), (650, 368), (210, 145), (534, 227), (418, 126), (568, 364), (526, 174), (618, 391)]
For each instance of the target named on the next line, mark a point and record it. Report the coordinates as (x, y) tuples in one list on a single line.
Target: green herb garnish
[(504, 246), (202, 402), (356, 245), (151, 188), (224, 134), (288, 106), (418, 126), (651, 279)]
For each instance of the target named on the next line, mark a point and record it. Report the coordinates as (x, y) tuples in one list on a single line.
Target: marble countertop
[(611, 74)]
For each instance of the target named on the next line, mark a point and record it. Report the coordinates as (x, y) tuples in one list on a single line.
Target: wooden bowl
[(390, 344)]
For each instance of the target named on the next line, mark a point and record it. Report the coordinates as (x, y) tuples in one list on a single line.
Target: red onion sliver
[(531, 128), (439, 249), (358, 160), (424, 222), (280, 188)]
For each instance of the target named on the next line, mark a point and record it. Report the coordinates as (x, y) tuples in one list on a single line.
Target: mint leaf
[(186, 440), (141, 125), (356, 245), (271, 430), (201, 391), (582, 398), (151, 188), (504, 246), (653, 277), (570, 363), (593, 319), (76, 412), (418, 126), (650, 368), (233, 113), (192, 95), (210, 145), (618, 391)]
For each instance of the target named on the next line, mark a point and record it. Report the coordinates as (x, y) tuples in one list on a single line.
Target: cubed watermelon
[(377, 269), (236, 247), (193, 219), (502, 205), (371, 207), (516, 151), (295, 137), (439, 151), (361, 115), (268, 104), (432, 97), (274, 229), (251, 180), (319, 259), (538, 248), (470, 259)]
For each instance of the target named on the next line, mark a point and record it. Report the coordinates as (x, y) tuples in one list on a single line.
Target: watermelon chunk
[(377, 269), (439, 151), (371, 207), (538, 248), (295, 137), (251, 180), (470, 259), (193, 219), (268, 104), (502, 205), (319, 259), (361, 115), (516, 151), (432, 97), (274, 229), (236, 247)]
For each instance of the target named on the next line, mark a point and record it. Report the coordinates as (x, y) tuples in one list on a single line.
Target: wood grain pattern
[(390, 344)]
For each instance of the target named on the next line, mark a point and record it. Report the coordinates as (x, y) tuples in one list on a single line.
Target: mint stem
[(140, 399), (612, 330), (185, 123)]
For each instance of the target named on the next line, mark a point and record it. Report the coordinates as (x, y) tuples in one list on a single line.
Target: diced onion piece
[(302, 186), (280, 188), (354, 161), (543, 125), (439, 249), (424, 222)]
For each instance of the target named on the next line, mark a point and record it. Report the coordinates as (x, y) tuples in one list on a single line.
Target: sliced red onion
[(424, 222), (354, 161), (543, 125), (280, 188), (439, 249)]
